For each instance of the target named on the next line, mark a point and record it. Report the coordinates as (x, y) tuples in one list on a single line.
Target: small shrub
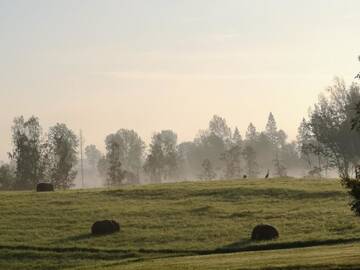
[(353, 186)]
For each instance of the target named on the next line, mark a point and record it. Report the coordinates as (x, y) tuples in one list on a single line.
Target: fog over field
[(177, 73), (182, 134), (170, 65)]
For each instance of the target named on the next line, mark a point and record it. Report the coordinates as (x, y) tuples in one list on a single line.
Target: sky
[(151, 65)]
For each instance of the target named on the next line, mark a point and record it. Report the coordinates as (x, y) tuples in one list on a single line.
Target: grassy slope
[(52, 229), (327, 257)]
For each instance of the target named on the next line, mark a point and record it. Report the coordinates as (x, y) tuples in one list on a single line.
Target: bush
[(353, 186)]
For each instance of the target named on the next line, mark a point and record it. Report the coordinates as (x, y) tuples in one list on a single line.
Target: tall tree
[(331, 121), (208, 146), (353, 185), (311, 151), (208, 172), (131, 150), (27, 152), (232, 160), (304, 140), (280, 169), (102, 167), (271, 130), (63, 145), (162, 161), (250, 161), (277, 139), (92, 155), (7, 177), (219, 127), (236, 137), (358, 75), (115, 173), (251, 133)]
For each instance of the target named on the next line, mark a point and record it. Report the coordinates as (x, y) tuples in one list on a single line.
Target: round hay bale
[(44, 187), (263, 232), (105, 227)]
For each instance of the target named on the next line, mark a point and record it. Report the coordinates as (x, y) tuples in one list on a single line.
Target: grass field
[(202, 225)]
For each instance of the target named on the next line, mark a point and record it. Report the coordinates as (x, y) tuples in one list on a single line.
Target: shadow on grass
[(243, 245), (313, 267), (240, 246), (79, 237), (224, 194)]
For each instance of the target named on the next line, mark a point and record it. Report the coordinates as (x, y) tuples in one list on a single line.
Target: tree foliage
[(115, 173), (208, 172), (63, 145), (232, 161), (130, 150), (7, 177), (163, 158), (331, 121), (251, 164), (92, 155), (27, 152)]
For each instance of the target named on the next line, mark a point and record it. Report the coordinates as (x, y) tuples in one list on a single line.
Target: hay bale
[(44, 187), (263, 232), (105, 227)]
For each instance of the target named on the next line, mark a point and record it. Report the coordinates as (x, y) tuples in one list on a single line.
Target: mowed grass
[(324, 258), (52, 230)]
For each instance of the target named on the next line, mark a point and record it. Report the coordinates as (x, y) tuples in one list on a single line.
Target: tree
[(358, 75), (236, 137), (92, 155), (251, 133), (154, 162), (102, 167), (115, 173), (250, 161), (331, 122), (27, 152), (162, 161), (63, 145), (131, 150), (280, 169), (7, 177), (208, 172), (304, 140), (232, 161), (219, 128), (271, 130), (281, 138), (187, 152), (311, 151), (277, 139), (353, 185), (209, 146)]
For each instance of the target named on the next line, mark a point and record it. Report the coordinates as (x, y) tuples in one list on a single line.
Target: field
[(202, 225)]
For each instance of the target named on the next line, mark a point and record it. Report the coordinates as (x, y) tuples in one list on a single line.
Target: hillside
[(198, 221)]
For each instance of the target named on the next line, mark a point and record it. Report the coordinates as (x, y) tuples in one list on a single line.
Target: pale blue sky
[(151, 65)]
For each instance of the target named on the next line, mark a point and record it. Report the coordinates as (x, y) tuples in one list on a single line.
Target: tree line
[(325, 142)]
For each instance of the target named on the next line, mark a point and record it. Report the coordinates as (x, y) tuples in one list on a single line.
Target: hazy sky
[(151, 65)]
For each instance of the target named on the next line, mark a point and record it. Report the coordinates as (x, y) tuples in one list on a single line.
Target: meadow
[(187, 225)]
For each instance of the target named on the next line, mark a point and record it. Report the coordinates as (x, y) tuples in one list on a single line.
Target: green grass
[(192, 223), (329, 257)]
